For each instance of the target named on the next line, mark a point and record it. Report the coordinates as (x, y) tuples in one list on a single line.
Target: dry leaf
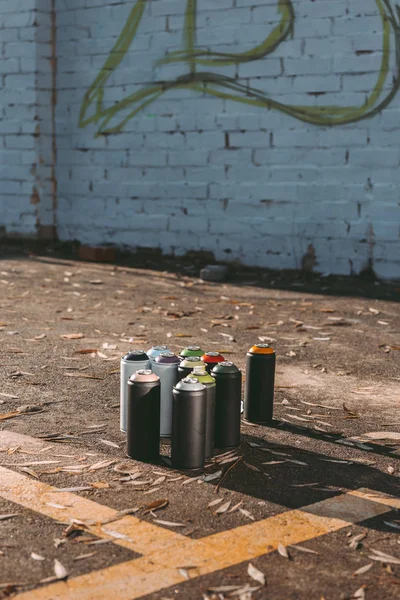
[(40, 337), (108, 443), (83, 556), (10, 516), (155, 505), (354, 542), (72, 336), (390, 470), (222, 509), (247, 514), (59, 570), (393, 525), (86, 351), (214, 502), (101, 465), (384, 558), (169, 523), (382, 435), (211, 477), (303, 549), (256, 574), (125, 468), (35, 556), (374, 311), (283, 551), (100, 485), (363, 570), (360, 593)]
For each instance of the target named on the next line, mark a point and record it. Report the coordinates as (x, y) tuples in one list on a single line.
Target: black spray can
[(143, 415), (228, 381), (130, 363), (187, 365), (260, 379), (189, 415), (205, 378)]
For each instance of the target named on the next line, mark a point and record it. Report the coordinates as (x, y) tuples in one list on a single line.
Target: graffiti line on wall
[(205, 81)]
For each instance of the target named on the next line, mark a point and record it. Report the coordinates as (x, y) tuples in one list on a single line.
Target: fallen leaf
[(11, 396), (100, 485), (363, 570), (40, 337), (108, 443), (184, 573), (354, 541), (303, 549), (86, 351), (282, 550), (382, 435), (83, 556), (35, 556), (155, 505), (384, 558), (169, 523), (247, 514), (72, 336), (393, 525), (214, 502), (96, 281), (213, 476), (360, 593), (390, 470), (9, 516), (256, 574), (59, 570), (222, 509), (374, 311), (82, 488)]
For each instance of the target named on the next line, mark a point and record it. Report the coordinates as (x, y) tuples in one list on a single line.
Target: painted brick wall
[(26, 160), (181, 125)]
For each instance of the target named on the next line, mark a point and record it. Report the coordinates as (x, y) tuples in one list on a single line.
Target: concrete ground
[(305, 509)]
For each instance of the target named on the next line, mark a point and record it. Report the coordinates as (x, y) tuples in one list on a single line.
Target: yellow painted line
[(159, 568), (143, 537), (376, 497)]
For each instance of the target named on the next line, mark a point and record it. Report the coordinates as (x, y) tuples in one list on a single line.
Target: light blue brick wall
[(196, 170)]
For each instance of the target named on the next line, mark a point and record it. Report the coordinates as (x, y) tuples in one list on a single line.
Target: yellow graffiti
[(207, 82)]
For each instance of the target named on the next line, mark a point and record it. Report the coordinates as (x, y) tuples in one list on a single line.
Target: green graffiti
[(207, 82)]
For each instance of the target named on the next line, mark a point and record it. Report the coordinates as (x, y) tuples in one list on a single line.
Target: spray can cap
[(190, 384), (199, 370), (261, 349), (136, 355), (167, 358), (144, 376), (159, 348), (226, 367)]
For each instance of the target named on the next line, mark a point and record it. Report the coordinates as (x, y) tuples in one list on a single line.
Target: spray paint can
[(131, 362), (205, 378), (143, 415), (166, 367), (228, 380), (189, 424), (187, 365), (191, 351), (156, 351), (260, 378), (211, 359)]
